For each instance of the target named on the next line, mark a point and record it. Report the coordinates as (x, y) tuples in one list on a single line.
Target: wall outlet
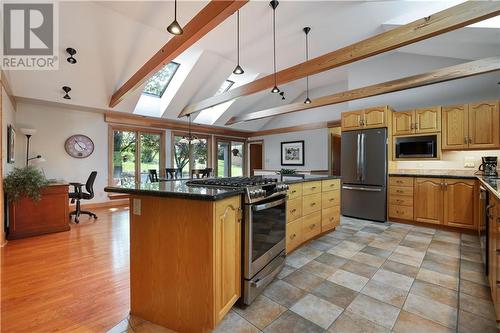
[(469, 165)]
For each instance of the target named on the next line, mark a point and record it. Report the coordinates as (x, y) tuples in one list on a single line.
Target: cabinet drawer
[(311, 187), (401, 181), (401, 212), (330, 218), (400, 190), (295, 191), (330, 185), (293, 235), (311, 225), (311, 203), (293, 209), (330, 199), (400, 200)]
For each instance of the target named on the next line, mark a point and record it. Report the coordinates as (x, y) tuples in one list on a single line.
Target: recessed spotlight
[(66, 89), (71, 53)]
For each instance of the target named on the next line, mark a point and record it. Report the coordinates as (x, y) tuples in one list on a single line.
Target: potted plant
[(24, 182)]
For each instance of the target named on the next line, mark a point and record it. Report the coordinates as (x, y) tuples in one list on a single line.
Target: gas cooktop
[(233, 182)]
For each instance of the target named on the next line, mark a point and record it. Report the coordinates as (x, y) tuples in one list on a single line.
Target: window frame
[(230, 140), (200, 136), (168, 82), (138, 131)]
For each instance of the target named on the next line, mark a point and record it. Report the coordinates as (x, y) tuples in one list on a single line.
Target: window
[(230, 158), (190, 156), (158, 83), (226, 85), (134, 153), (209, 116)]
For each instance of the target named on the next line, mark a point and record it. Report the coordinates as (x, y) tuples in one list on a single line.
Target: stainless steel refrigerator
[(364, 174)]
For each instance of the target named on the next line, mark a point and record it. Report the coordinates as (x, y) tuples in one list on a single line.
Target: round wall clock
[(79, 146)]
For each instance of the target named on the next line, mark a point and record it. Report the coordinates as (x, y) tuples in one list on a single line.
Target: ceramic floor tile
[(283, 293), (335, 294), (384, 245), (470, 323), (426, 239), (350, 246), (393, 279), (440, 279), (400, 268), (477, 306), (440, 267), (444, 248), (364, 270), (385, 293), (471, 266), (319, 245), (373, 230), (303, 280), (287, 270), (368, 259), (349, 322), (477, 277), (378, 312), (348, 279), (432, 310), (297, 259), (317, 310), (409, 251), (405, 259), (475, 289), (469, 255), (331, 259), (470, 238), (411, 323), (422, 246), (319, 269), (290, 322), (261, 312), (435, 292)]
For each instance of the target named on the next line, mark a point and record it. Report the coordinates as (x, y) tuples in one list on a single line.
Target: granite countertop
[(290, 179), (434, 173), (492, 184), (175, 189)]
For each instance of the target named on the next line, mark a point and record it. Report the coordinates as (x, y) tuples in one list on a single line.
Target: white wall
[(54, 125), (8, 118), (450, 160), (315, 145)]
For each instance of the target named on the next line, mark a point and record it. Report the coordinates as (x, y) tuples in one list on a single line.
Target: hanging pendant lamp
[(190, 138), (238, 70), (175, 28), (306, 31), (274, 4)]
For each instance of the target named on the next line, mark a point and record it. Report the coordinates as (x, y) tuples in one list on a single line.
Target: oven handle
[(268, 205)]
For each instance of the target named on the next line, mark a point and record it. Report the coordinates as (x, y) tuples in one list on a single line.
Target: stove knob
[(252, 194), (262, 193), (287, 187)]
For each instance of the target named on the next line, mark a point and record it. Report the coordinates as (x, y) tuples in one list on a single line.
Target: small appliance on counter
[(489, 166)]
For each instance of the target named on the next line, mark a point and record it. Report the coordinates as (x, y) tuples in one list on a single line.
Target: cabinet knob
[(416, 125), (294, 191), (293, 210), (313, 188), (293, 236), (332, 219), (466, 140), (313, 226), (313, 204), (331, 199)]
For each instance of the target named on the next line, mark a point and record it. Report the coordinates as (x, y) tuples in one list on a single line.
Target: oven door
[(265, 227)]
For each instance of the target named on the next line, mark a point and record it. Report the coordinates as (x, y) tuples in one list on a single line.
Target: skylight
[(226, 85), (158, 83)]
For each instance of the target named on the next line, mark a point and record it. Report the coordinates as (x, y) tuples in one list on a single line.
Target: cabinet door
[(293, 235), (483, 125), (459, 198), (492, 247), (375, 117), (428, 120), (227, 255), (428, 200), (351, 120), (455, 127), (402, 122)]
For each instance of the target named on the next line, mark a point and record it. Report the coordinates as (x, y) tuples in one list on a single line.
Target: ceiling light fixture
[(274, 4), (71, 52), (66, 89), (175, 28), (306, 31), (190, 138), (238, 70)]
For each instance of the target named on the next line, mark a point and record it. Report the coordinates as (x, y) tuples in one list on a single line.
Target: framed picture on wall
[(11, 142), (292, 153)]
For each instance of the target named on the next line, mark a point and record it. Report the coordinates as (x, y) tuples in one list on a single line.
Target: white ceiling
[(113, 39)]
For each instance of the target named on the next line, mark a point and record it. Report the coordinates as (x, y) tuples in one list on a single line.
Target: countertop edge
[(181, 195), (433, 176)]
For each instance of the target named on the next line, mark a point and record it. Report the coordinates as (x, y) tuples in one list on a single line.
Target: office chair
[(153, 176), (78, 195)]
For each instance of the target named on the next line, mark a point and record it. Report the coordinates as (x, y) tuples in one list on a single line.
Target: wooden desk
[(50, 214)]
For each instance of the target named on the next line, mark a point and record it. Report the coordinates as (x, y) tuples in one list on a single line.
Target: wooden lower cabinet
[(460, 203), (293, 235), (293, 209), (428, 203), (493, 247), (330, 218), (311, 225)]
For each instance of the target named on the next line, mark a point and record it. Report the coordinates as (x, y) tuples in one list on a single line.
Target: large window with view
[(189, 156), (158, 83), (134, 153), (230, 158)]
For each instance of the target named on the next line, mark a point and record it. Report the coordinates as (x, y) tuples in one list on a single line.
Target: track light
[(71, 52), (66, 89), (175, 28)]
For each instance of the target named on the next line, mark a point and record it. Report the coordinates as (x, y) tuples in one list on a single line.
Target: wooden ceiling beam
[(439, 23), (213, 14), (437, 76)]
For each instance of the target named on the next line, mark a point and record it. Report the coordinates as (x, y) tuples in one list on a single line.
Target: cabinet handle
[(313, 226), (399, 191), (294, 191), (470, 139), (332, 219), (399, 181), (332, 185), (313, 204), (293, 236), (331, 199), (411, 126), (399, 201), (293, 210), (416, 126), (313, 188), (466, 140), (399, 212)]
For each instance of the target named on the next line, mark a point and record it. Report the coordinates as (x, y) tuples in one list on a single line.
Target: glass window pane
[(150, 154), (158, 83), (200, 154), (181, 156), (124, 146), (236, 159), (223, 159)]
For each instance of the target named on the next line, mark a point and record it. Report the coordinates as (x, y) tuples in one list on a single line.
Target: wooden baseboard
[(106, 204), (435, 226)]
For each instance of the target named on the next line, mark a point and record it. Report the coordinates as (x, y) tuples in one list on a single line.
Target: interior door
[(255, 157), (428, 203), (484, 125)]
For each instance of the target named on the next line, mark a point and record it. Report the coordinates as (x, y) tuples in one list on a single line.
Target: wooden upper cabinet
[(459, 202), (227, 255), (455, 124), (428, 200), (484, 125), (352, 120), (402, 122), (427, 120), (375, 117)]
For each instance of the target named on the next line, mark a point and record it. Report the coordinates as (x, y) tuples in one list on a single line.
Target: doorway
[(335, 154), (256, 156), (229, 158)]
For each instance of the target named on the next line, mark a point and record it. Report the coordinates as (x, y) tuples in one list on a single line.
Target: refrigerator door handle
[(362, 154), (358, 158), (366, 189)]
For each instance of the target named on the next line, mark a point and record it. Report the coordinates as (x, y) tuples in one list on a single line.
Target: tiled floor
[(371, 277)]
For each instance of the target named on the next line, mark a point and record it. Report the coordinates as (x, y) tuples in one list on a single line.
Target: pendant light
[(189, 139), (238, 70), (306, 30), (274, 4), (175, 28)]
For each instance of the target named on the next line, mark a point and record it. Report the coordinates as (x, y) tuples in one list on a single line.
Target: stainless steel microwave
[(416, 146)]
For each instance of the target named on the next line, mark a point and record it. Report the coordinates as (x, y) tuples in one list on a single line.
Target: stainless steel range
[(264, 228)]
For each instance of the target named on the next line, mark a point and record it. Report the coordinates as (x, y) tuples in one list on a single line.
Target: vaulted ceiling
[(113, 39)]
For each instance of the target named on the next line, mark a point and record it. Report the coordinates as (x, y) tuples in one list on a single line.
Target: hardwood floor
[(76, 281)]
